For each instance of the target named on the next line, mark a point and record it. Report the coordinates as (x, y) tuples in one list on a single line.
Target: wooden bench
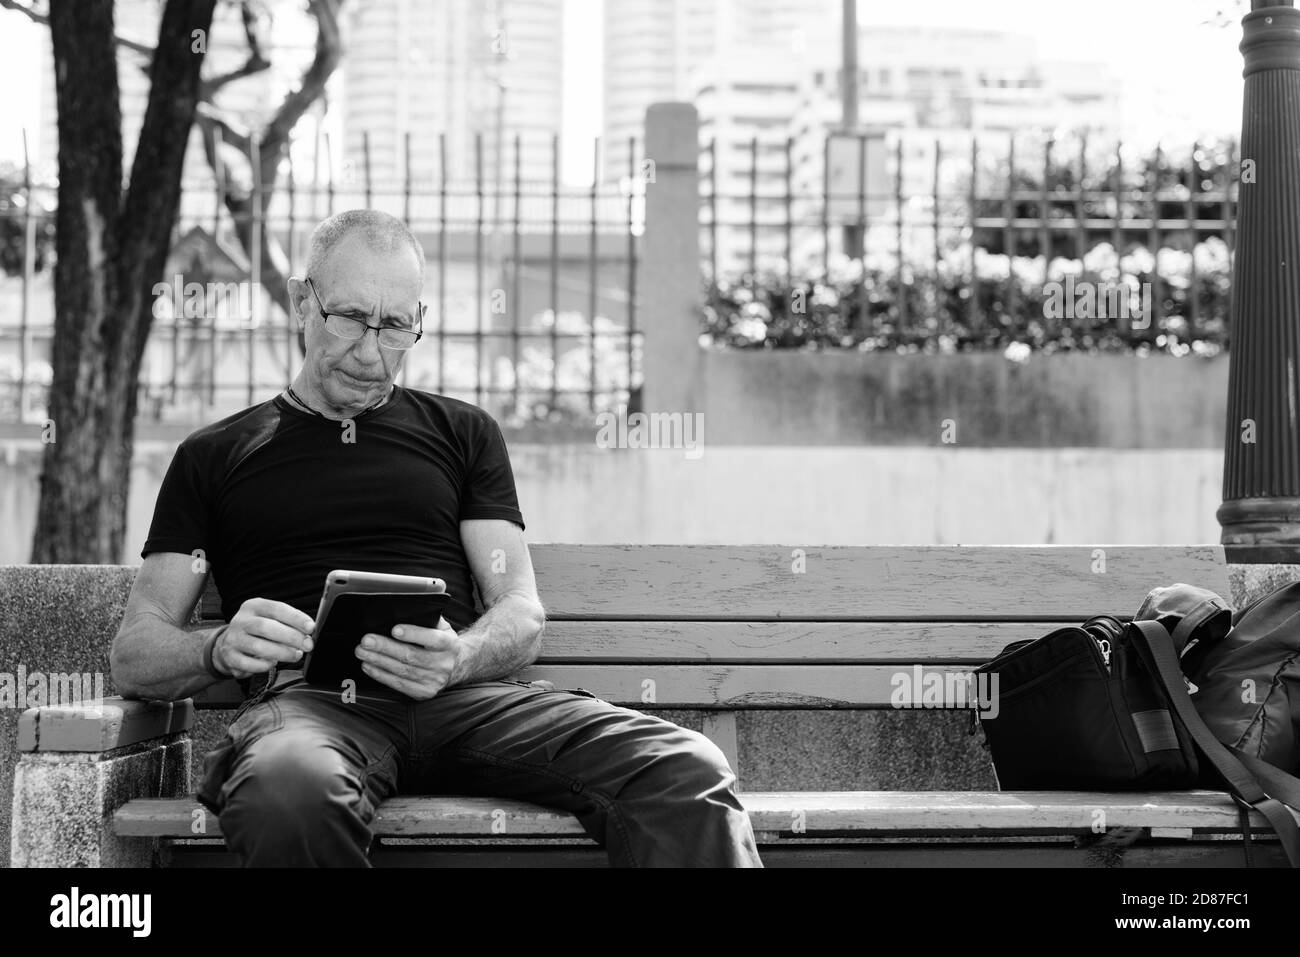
[(730, 629)]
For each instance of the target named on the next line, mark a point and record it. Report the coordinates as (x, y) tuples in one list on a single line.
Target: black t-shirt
[(277, 498)]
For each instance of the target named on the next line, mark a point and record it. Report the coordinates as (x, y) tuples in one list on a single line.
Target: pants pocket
[(218, 763), (540, 684)]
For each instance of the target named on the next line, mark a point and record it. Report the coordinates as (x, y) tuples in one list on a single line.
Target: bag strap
[(1157, 650), (1194, 619), (1276, 782)]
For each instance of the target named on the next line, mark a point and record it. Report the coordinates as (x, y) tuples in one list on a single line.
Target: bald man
[(347, 470)]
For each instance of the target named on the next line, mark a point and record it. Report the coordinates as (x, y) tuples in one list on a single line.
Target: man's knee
[(682, 809), (688, 767), (707, 760), (287, 780)]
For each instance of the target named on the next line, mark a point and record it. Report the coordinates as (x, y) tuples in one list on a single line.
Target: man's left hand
[(419, 662)]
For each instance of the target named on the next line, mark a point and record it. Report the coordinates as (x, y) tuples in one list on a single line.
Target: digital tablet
[(355, 604)]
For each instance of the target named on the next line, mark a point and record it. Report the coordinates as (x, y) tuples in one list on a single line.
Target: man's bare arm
[(508, 635), (157, 655)]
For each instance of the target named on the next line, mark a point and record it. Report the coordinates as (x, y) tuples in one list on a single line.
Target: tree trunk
[(111, 250)]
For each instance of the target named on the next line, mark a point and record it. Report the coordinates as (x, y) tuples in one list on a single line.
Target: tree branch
[(213, 84), (251, 33), (209, 119), (329, 50), (26, 11), (256, 62), (272, 145), (43, 19)]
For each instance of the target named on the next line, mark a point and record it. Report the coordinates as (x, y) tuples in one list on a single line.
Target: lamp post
[(849, 104), (1260, 514)]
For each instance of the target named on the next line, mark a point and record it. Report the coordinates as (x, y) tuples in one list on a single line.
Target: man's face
[(376, 287)]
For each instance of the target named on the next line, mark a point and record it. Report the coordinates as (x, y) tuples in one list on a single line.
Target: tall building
[(655, 50), (746, 106), (475, 71), (916, 86), (957, 78)]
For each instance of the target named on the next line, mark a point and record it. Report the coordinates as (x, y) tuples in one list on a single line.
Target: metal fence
[(910, 237), (902, 240), (530, 288)]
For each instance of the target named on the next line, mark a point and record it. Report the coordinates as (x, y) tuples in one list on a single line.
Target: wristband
[(209, 646)]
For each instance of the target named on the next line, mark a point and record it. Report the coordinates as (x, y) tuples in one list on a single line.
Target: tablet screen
[(351, 616)]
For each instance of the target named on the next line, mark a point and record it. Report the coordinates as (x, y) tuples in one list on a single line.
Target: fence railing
[(531, 288), (898, 240), (921, 241)]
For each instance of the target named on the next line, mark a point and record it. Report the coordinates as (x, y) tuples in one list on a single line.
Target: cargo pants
[(302, 769)]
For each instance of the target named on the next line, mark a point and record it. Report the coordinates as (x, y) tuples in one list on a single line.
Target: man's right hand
[(263, 633)]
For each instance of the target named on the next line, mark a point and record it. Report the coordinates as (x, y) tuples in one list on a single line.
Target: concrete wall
[(789, 397), (847, 448), (770, 397), (836, 495)]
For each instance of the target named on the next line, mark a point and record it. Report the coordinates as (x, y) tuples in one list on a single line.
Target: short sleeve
[(489, 490), (180, 516)]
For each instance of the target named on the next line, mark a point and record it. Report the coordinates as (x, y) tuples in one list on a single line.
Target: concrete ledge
[(54, 618), (1252, 581), (64, 803), (116, 723)]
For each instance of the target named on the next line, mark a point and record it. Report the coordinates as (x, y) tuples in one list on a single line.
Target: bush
[(911, 310)]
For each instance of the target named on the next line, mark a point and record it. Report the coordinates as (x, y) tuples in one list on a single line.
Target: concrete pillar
[(64, 804), (669, 291), (1260, 514), (79, 764)]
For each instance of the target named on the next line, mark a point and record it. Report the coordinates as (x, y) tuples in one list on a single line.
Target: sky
[(18, 41), (1179, 75)]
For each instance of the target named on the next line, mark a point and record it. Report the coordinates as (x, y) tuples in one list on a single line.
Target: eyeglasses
[(350, 327)]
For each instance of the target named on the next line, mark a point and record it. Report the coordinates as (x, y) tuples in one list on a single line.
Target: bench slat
[(662, 582), (760, 686), (778, 642), (654, 685), (802, 814), (877, 582)]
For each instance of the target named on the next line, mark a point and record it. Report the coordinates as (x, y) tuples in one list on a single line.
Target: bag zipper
[(1104, 631), (1050, 672), (1039, 678), (1102, 649)]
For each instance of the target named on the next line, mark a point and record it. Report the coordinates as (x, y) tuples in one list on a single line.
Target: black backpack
[(1185, 695), (1246, 675)]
